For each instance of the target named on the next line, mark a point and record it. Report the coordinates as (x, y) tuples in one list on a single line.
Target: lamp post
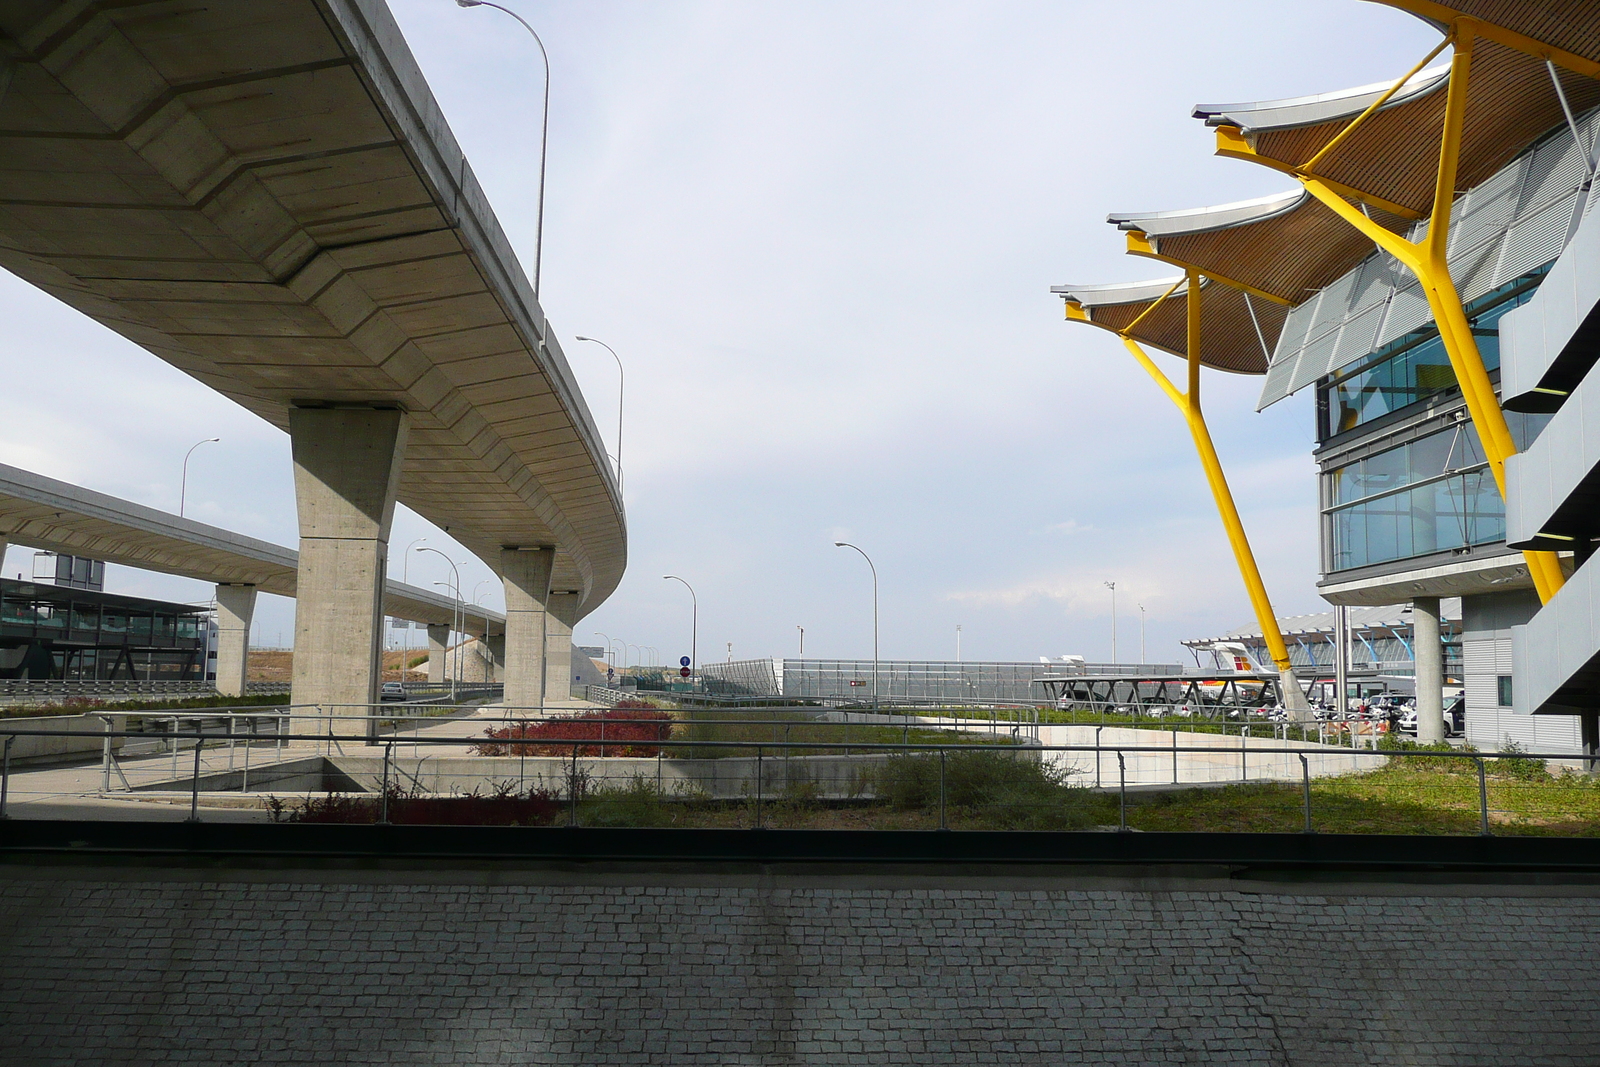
[(405, 560), (1113, 587), (846, 544), (544, 133), (1142, 659), (456, 618), (802, 630), (958, 642), (621, 382), (183, 485), (694, 623), (609, 661)]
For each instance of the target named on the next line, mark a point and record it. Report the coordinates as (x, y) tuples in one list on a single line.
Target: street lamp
[(183, 486), (609, 661), (1113, 587), (405, 560), (1142, 658), (621, 382), (802, 630), (694, 621), (846, 544), (544, 132), (958, 642), (456, 617)]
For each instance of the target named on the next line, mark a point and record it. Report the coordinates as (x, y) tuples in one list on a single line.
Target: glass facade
[(1415, 367), (1433, 494), (54, 631)]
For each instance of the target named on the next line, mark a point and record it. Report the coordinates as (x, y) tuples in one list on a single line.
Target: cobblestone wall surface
[(163, 972)]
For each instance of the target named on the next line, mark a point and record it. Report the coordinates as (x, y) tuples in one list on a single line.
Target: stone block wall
[(560, 968)]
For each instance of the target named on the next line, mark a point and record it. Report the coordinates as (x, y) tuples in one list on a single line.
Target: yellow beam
[(1140, 244), (1501, 35), (1427, 260), (1188, 403)]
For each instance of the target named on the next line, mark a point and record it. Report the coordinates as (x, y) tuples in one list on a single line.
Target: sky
[(821, 237)]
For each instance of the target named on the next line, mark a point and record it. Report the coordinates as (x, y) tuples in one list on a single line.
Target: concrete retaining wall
[(508, 967), (91, 727)]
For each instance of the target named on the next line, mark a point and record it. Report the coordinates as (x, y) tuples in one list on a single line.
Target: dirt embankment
[(275, 665)]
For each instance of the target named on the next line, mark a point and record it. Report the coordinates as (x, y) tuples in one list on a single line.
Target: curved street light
[(405, 561), (847, 544), (544, 132), (694, 621), (621, 383), (183, 486)]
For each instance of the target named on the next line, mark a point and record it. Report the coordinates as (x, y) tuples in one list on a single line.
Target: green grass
[(1006, 791), (714, 732)]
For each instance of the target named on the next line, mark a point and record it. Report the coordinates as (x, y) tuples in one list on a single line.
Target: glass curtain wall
[(1433, 494), (1415, 367)]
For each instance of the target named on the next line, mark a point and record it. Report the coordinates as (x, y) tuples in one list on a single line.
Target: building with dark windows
[(50, 631)]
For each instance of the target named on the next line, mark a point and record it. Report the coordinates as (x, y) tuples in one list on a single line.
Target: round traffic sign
[(683, 661), (684, 671)]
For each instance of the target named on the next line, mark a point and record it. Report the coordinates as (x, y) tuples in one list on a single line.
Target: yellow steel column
[(1189, 404), (1428, 261)]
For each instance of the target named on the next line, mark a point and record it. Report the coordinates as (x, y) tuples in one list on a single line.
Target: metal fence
[(222, 754), (931, 682)]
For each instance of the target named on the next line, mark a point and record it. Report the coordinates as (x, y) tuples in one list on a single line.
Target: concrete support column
[(346, 469), (236, 606), (5, 543), (559, 621), (526, 573), (438, 645), (496, 643), (1429, 652)]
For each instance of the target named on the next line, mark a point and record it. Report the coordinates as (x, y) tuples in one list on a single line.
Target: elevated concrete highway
[(44, 513), (264, 194)]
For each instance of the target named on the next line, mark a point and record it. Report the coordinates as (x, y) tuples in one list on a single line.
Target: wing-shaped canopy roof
[(1393, 157), (1323, 107), (1284, 247), (1229, 338)]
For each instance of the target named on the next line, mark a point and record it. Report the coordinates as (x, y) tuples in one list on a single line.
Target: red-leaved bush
[(632, 728)]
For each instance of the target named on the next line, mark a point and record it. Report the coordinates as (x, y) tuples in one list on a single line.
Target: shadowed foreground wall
[(523, 967)]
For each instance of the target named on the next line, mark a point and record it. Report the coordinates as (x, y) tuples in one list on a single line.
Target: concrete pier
[(346, 470), (561, 617), (236, 606), (1429, 653), (526, 573)]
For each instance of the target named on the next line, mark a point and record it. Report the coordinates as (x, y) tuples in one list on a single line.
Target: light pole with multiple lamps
[(694, 625), (621, 383), (183, 484), (847, 544), (544, 133), (1142, 659)]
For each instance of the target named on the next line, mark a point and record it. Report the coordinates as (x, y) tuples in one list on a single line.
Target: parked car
[(392, 691), (1455, 718)]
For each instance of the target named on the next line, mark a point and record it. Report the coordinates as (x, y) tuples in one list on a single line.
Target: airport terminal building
[(1435, 282)]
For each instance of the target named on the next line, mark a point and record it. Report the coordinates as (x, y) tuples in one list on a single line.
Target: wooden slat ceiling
[(1228, 339)]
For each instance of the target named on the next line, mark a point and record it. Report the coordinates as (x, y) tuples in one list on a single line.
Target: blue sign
[(683, 661)]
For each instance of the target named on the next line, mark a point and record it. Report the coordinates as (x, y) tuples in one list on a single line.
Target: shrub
[(503, 807), (1005, 790), (632, 728)]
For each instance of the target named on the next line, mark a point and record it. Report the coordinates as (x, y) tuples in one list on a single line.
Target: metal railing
[(758, 771)]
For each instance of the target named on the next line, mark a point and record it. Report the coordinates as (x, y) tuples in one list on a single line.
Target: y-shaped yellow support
[(1426, 259), (1189, 404)]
